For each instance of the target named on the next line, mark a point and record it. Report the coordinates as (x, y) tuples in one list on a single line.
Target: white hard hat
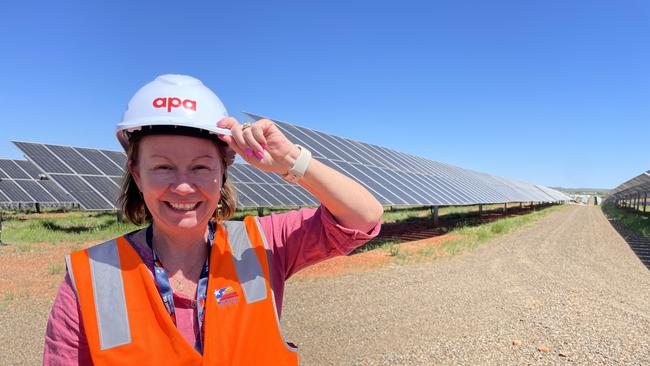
[(172, 100)]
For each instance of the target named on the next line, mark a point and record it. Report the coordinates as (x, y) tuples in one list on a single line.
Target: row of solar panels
[(92, 177), (636, 186), (21, 182)]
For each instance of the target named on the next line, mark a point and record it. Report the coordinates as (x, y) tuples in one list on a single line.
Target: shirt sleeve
[(301, 238), (65, 340)]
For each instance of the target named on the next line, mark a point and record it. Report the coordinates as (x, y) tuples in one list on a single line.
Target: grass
[(23, 230), (636, 221), (77, 227), (55, 268), (409, 214), (471, 237)]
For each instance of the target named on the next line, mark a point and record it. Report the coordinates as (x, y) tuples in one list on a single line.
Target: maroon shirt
[(296, 239)]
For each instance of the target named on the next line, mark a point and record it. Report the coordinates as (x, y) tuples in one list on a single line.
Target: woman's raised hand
[(261, 144)]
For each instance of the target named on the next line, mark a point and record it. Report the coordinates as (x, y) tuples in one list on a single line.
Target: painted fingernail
[(263, 146), (249, 152), (259, 154)]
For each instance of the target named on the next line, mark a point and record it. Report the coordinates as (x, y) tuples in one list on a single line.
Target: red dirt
[(366, 261), (38, 271)]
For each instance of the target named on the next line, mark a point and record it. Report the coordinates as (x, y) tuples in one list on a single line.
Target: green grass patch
[(411, 214), (638, 222), (472, 236), (55, 268), (76, 227)]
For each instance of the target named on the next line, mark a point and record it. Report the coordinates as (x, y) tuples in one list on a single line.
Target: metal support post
[(260, 211), (505, 208), (645, 201), (435, 215), (480, 210), (1, 228)]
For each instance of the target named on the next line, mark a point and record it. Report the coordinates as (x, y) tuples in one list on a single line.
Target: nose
[(182, 185)]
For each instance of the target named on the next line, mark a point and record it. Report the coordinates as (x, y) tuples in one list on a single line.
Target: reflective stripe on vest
[(247, 266), (108, 293)]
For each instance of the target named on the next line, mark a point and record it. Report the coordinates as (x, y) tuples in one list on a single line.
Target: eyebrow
[(196, 158)]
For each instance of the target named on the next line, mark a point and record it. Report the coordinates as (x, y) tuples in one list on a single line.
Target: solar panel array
[(396, 178), (21, 183), (92, 176), (634, 188)]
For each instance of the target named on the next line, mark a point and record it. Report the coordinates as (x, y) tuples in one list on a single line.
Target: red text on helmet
[(173, 102)]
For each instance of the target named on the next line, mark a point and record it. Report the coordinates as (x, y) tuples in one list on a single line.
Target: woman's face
[(180, 178)]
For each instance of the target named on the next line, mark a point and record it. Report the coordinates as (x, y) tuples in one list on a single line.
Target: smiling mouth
[(182, 206)]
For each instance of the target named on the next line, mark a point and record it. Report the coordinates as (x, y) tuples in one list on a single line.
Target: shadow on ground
[(637, 242), (418, 228)]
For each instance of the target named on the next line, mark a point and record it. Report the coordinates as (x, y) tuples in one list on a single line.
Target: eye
[(162, 167), (199, 167)]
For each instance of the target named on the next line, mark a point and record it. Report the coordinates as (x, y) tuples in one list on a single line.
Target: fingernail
[(263, 146), (220, 123), (249, 152), (259, 154)]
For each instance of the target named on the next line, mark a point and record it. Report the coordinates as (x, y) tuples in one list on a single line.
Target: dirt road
[(569, 283), (567, 290)]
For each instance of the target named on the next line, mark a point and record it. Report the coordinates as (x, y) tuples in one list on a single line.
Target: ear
[(134, 169)]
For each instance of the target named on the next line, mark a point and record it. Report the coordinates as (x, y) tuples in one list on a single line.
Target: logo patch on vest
[(226, 295)]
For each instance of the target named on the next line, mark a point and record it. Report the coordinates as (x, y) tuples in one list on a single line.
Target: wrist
[(290, 158), (299, 164)]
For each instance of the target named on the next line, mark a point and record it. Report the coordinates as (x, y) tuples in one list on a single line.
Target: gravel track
[(569, 283)]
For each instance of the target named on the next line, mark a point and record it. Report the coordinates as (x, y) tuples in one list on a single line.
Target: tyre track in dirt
[(569, 283)]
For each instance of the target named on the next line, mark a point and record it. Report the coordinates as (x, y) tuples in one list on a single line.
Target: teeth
[(183, 206)]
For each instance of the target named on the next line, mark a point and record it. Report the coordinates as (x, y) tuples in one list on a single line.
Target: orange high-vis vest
[(126, 322)]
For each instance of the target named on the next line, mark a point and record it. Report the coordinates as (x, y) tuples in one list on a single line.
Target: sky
[(549, 92)]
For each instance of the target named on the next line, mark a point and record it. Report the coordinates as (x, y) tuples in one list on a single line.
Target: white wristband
[(299, 167)]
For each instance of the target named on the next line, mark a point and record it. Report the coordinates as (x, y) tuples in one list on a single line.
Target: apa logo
[(173, 102)]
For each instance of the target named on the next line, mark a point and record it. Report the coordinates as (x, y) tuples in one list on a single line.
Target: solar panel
[(29, 168), (3, 198), (105, 186), (12, 170), (55, 191), (101, 161), (73, 159), (87, 197), (13, 192), (36, 191), (633, 188), (93, 176), (397, 178), (116, 157), (43, 157)]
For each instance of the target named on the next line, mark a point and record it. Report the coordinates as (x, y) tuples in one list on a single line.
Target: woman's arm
[(265, 147)]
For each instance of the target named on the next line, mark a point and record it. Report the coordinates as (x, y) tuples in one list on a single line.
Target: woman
[(193, 288)]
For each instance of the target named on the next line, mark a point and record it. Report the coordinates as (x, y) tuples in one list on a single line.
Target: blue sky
[(550, 92)]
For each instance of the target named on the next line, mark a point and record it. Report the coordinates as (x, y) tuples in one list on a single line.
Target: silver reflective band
[(108, 292), (68, 264), (247, 265)]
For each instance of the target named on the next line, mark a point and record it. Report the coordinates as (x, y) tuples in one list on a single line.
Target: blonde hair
[(131, 202)]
